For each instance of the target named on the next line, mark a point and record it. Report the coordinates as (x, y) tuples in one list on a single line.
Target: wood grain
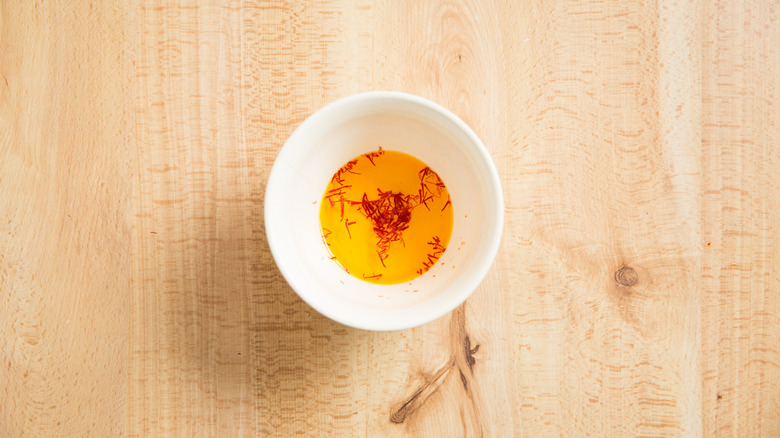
[(65, 166), (602, 243), (741, 219), (635, 292)]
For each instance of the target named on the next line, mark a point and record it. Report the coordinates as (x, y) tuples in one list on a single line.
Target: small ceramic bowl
[(356, 125)]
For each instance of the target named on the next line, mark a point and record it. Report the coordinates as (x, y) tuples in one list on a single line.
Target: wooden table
[(636, 291)]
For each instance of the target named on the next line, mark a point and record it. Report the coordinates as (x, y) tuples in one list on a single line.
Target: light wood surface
[(636, 292), (66, 152)]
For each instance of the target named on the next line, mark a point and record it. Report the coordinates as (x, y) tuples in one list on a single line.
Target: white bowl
[(338, 133)]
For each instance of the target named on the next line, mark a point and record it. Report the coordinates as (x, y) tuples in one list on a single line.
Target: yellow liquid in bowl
[(386, 217)]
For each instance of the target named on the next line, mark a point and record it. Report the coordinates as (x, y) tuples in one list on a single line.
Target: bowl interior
[(340, 132)]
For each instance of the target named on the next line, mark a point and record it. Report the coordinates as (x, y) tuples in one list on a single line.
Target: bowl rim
[(480, 272)]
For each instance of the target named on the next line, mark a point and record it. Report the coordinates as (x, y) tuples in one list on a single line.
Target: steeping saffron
[(386, 217)]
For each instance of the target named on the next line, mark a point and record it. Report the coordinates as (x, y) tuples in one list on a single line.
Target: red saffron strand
[(335, 194), (372, 155), (347, 224), (339, 188), (432, 258)]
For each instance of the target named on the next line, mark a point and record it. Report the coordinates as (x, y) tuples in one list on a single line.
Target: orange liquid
[(386, 217)]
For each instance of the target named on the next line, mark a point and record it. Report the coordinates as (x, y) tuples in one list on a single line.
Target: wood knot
[(626, 276), (399, 416), (431, 384), (469, 353)]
